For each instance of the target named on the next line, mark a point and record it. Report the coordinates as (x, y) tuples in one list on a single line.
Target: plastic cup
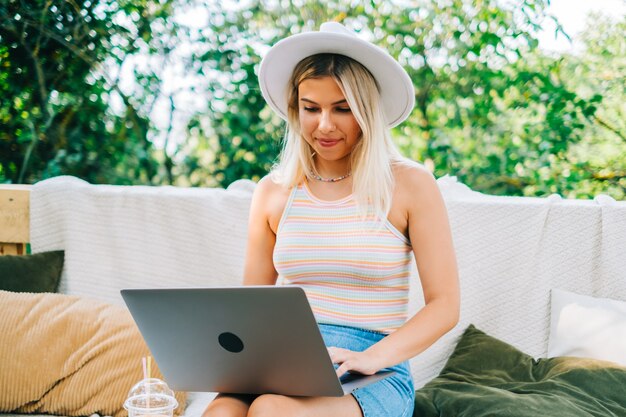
[(150, 397)]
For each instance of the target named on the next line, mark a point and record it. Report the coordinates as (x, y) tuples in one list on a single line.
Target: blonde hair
[(371, 158)]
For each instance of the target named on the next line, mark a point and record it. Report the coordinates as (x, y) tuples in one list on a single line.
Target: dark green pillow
[(40, 272), (487, 377)]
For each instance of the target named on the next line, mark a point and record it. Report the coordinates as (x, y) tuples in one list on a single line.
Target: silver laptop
[(239, 340)]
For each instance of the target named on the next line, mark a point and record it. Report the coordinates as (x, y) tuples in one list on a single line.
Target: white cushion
[(587, 327)]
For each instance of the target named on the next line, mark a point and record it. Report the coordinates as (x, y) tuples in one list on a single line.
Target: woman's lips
[(327, 143)]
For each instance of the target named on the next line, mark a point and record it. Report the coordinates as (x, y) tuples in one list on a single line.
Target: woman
[(343, 215)]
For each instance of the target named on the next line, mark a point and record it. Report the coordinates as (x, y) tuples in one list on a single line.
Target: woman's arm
[(429, 231), (268, 202)]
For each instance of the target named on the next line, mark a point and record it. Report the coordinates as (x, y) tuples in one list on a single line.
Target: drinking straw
[(145, 369), (146, 375)]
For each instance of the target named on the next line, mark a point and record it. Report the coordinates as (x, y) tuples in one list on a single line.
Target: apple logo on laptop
[(230, 342)]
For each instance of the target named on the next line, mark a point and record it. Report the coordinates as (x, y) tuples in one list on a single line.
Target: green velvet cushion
[(487, 377), (40, 272)]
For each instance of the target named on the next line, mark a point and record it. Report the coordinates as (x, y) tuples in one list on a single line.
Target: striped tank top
[(354, 271)]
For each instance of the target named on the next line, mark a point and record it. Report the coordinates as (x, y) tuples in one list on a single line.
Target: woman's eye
[(310, 109), (344, 109)]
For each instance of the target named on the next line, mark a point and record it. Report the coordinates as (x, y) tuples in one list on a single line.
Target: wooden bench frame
[(14, 219)]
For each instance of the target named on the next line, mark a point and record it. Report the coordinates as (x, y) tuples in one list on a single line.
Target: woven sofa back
[(511, 251)]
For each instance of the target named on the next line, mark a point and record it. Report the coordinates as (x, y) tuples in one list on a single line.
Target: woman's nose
[(326, 123)]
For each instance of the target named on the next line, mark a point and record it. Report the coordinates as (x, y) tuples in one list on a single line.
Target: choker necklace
[(317, 177)]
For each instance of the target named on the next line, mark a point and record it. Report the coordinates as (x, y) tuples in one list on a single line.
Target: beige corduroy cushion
[(68, 355)]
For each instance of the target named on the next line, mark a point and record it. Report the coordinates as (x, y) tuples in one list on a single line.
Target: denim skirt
[(391, 397)]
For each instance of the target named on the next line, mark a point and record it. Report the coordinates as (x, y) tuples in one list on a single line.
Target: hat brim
[(396, 89)]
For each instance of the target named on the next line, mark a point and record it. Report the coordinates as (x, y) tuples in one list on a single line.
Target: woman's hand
[(350, 361)]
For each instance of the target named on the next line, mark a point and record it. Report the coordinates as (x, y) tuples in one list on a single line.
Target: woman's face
[(326, 120)]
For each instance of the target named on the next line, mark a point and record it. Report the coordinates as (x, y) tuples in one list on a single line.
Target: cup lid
[(150, 394)]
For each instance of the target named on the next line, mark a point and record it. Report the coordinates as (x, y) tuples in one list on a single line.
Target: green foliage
[(56, 114), (492, 109), (598, 163)]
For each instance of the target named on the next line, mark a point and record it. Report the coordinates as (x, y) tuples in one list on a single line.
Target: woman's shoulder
[(412, 176), (270, 185), (270, 198), (416, 191)]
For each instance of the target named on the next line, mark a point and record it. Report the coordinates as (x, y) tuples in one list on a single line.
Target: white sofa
[(511, 251)]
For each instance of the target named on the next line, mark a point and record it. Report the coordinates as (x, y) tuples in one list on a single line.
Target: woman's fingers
[(350, 361), (336, 354)]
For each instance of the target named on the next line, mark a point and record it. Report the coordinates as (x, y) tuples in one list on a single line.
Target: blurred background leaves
[(493, 109)]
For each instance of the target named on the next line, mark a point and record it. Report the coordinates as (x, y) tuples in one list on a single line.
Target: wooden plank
[(14, 218), (12, 248)]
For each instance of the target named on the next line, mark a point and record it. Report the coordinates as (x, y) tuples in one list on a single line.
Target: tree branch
[(607, 126), (31, 146), (169, 164)]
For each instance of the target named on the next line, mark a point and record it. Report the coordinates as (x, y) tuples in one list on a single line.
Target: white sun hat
[(396, 89)]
